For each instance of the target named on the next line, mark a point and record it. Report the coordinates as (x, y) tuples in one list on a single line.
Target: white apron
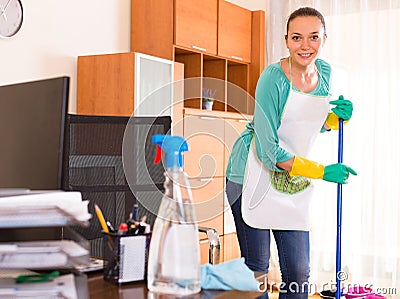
[(262, 205)]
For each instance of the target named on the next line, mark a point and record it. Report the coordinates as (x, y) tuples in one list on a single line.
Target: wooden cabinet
[(213, 39), (234, 31), (196, 25), (205, 136), (231, 248), (153, 85), (106, 84), (211, 135), (119, 84), (204, 249), (208, 197), (154, 37)]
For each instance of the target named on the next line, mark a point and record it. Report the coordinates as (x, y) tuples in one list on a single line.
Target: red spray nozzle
[(158, 156)]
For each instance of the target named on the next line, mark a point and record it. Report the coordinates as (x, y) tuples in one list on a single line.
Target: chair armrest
[(214, 249)]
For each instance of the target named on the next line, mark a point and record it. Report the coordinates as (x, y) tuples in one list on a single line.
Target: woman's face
[(305, 39)]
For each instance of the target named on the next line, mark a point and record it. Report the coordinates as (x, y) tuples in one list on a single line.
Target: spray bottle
[(174, 257)]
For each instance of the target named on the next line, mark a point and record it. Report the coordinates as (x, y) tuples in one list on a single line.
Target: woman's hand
[(343, 109), (337, 173)]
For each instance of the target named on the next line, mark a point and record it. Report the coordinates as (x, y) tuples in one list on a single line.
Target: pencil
[(101, 218)]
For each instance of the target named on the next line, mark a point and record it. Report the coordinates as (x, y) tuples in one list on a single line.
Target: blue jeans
[(293, 249)]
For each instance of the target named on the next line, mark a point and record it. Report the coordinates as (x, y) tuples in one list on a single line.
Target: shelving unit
[(229, 78)]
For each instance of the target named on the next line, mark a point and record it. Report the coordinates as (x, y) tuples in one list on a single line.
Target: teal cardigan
[(272, 92)]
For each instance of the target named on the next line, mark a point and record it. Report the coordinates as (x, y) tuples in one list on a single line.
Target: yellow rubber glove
[(333, 121), (335, 173), (310, 169)]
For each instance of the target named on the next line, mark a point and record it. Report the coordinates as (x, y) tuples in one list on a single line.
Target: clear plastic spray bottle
[(174, 257)]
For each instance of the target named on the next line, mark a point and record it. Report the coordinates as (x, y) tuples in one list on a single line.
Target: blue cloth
[(231, 275)]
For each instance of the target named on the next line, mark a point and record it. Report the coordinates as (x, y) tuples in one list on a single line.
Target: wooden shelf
[(228, 78)]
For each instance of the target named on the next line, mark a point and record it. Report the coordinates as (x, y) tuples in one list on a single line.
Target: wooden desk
[(101, 289)]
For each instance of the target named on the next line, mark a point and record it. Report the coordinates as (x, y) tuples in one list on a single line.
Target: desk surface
[(101, 289)]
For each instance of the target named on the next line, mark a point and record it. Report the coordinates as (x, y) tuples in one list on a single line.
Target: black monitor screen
[(32, 117)]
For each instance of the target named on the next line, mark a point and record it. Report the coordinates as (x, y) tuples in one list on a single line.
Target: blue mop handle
[(339, 219)]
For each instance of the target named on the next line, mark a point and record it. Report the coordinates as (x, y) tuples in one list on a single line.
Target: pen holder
[(125, 257)]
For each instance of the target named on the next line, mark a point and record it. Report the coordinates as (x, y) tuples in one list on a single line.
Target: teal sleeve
[(271, 95)]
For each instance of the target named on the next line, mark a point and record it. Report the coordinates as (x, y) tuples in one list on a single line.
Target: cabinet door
[(196, 25), (105, 84), (205, 136), (208, 194), (153, 86), (234, 31), (231, 248), (152, 27)]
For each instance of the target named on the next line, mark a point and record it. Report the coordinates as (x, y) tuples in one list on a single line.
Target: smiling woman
[(364, 38), (268, 173), (11, 17)]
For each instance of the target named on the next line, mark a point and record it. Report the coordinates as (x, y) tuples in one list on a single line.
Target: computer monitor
[(32, 124)]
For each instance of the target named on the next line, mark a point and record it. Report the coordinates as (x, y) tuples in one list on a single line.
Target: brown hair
[(305, 12)]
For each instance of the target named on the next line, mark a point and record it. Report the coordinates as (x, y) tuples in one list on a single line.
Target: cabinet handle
[(237, 58), (243, 121), (206, 180), (207, 117), (199, 48)]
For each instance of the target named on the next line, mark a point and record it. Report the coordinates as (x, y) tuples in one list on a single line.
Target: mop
[(355, 292), (339, 273)]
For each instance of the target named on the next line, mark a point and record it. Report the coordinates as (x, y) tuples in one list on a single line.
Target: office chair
[(93, 164)]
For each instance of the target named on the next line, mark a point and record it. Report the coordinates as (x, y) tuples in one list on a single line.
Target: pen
[(101, 219), (110, 227), (134, 211)]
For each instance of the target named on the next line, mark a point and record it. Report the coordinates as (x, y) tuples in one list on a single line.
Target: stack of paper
[(60, 287), (42, 205), (42, 254), (22, 208)]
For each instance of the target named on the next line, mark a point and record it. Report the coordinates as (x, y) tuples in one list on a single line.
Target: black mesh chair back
[(94, 165)]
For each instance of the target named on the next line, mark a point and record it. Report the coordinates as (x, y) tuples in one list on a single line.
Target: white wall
[(54, 33)]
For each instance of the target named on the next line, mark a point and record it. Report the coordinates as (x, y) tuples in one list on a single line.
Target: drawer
[(205, 136)]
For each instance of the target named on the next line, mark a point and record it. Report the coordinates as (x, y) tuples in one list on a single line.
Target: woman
[(268, 177)]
